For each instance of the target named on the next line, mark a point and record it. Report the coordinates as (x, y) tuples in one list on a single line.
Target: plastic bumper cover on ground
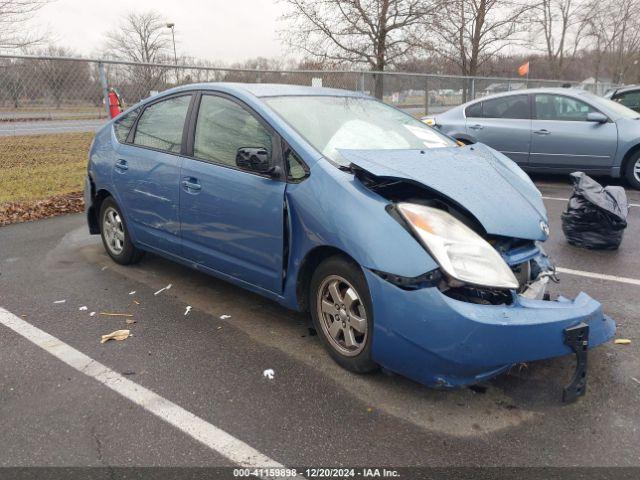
[(442, 342)]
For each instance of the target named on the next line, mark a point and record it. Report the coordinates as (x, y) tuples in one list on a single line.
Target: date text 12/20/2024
[(316, 473)]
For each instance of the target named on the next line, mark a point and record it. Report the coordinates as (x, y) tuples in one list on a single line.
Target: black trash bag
[(596, 217)]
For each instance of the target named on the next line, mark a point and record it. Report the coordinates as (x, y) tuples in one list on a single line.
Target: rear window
[(122, 126)]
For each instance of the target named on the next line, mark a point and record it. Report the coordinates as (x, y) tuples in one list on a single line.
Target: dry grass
[(35, 167)]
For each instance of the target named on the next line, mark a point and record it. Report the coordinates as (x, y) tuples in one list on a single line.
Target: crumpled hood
[(485, 182)]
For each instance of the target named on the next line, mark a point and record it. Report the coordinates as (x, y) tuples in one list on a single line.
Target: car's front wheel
[(632, 171), (343, 314), (115, 235)]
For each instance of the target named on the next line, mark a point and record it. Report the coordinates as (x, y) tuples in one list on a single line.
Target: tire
[(115, 235), (632, 171), (349, 342)]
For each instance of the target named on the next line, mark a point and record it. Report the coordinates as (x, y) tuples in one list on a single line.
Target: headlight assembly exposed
[(461, 252)]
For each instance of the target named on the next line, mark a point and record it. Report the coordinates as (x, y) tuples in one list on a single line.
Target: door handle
[(477, 126), (191, 185), (544, 131), (121, 166)]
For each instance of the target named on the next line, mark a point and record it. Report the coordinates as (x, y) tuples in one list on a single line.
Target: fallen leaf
[(108, 314), (118, 335), (622, 341)]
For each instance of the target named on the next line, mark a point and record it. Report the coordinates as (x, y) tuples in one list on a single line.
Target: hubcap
[(342, 315), (113, 231), (636, 170)]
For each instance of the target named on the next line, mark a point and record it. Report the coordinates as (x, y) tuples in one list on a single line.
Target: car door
[(503, 123), (563, 138), (146, 173), (232, 218)]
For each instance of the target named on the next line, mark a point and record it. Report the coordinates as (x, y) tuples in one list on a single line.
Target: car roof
[(628, 88), (267, 89), (571, 91)]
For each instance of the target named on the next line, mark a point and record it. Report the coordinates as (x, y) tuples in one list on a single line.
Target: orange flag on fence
[(523, 69)]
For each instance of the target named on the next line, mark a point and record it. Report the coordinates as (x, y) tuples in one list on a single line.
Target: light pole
[(175, 55)]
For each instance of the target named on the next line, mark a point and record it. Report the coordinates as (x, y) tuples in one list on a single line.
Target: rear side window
[(161, 124), (474, 111), (223, 127), (123, 125), (516, 106)]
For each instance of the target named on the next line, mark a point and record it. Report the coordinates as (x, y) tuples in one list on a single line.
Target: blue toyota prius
[(410, 251)]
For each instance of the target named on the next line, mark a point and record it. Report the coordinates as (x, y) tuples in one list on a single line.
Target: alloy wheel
[(342, 315), (113, 230), (636, 170)]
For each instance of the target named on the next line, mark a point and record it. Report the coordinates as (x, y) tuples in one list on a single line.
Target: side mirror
[(597, 117), (254, 159)]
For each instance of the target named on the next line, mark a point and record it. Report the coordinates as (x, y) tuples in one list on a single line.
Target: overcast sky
[(219, 30)]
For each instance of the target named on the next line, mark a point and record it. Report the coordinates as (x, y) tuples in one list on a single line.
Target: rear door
[(563, 138), (503, 123), (146, 174), (232, 219)]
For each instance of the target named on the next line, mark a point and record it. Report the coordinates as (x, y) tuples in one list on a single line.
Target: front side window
[(123, 125), (559, 107), (515, 106), (330, 124), (161, 124), (223, 127)]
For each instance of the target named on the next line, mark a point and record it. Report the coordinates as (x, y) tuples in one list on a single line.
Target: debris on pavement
[(92, 314), (130, 321), (596, 216), (83, 308), (269, 373), (163, 289), (118, 335), (109, 314), (224, 317), (104, 268), (132, 292), (60, 301), (187, 310), (635, 380), (136, 302), (622, 341)]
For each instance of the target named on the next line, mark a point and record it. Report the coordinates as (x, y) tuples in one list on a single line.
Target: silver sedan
[(553, 130)]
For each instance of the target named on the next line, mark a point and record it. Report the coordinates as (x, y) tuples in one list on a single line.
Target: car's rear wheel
[(115, 235), (632, 171), (343, 314)]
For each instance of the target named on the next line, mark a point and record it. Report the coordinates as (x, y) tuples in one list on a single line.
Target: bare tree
[(561, 26), (14, 14), (375, 33), (142, 38), (471, 32), (614, 32)]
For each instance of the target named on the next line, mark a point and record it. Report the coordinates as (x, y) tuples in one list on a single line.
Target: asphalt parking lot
[(168, 395)]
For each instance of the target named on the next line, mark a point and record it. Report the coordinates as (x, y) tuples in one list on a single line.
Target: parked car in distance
[(552, 130), (332, 202), (628, 96)]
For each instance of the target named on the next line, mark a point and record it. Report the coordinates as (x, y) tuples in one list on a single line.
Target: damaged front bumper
[(442, 342)]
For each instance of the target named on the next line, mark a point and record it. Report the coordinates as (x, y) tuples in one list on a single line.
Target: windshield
[(616, 107), (354, 123)]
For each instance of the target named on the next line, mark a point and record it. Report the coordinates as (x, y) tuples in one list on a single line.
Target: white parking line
[(216, 439), (566, 200), (599, 276)]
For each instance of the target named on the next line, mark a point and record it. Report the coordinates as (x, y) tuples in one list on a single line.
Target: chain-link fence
[(50, 106)]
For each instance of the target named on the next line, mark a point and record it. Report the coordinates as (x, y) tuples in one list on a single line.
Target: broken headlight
[(461, 252)]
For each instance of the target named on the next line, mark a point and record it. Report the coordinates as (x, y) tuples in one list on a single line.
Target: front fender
[(352, 219)]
